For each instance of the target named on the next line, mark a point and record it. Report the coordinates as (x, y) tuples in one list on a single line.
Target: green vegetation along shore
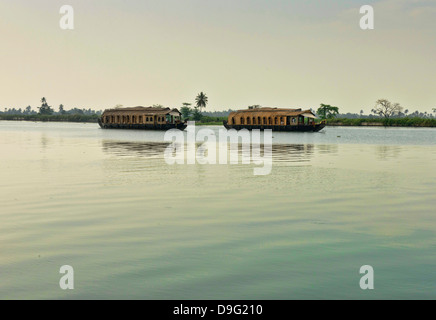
[(51, 118), (380, 122)]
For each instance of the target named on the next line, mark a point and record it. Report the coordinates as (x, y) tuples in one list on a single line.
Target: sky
[(274, 53)]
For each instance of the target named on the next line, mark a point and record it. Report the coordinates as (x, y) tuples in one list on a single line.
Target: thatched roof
[(269, 112), (140, 111)]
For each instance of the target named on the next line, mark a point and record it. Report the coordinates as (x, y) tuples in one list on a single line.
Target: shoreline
[(92, 119)]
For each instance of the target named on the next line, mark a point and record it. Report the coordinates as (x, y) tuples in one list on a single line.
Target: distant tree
[(201, 101), (326, 111), (186, 110), (28, 110), (61, 109), (197, 114), (45, 109), (361, 113), (406, 112), (386, 109)]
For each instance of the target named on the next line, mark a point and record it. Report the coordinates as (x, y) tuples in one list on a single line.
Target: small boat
[(142, 118), (276, 119)]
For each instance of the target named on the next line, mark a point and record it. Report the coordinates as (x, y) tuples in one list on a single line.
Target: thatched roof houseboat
[(276, 119), (151, 118)]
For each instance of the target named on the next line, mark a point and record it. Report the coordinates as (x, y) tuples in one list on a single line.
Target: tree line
[(383, 110), (47, 110)]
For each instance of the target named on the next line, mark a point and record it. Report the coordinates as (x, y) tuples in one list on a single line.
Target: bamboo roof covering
[(271, 112), (140, 111)]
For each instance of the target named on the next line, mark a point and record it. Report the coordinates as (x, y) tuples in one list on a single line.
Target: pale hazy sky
[(284, 53)]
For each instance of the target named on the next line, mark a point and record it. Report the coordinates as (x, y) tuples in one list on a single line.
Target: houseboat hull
[(298, 128), (161, 127)]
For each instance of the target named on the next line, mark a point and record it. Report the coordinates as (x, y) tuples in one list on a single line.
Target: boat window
[(242, 120), (233, 120), (248, 121)]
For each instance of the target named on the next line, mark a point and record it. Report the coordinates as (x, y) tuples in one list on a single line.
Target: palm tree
[(45, 108), (201, 100)]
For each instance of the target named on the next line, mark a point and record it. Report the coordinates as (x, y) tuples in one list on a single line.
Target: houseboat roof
[(266, 112), (142, 111)]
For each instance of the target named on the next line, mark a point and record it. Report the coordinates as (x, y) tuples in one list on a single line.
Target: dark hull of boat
[(305, 128), (162, 127)]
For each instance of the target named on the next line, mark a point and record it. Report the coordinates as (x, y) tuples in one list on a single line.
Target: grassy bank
[(211, 121), (393, 122), (51, 118)]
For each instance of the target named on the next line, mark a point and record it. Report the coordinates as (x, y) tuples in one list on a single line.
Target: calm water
[(132, 226)]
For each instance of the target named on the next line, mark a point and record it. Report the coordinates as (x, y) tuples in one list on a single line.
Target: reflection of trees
[(44, 141), (327, 148), (292, 152), (387, 152), (145, 149)]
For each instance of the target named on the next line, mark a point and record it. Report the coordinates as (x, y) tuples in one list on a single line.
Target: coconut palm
[(201, 100)]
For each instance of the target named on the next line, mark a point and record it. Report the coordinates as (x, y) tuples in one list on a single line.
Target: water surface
[(134, 227)]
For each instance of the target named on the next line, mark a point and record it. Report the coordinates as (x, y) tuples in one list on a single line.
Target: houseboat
[(142, 118), (276, 119)]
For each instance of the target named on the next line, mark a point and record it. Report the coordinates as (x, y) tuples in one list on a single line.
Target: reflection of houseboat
[(150, 118), (276, 119)]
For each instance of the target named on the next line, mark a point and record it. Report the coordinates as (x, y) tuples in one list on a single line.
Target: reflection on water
[(142, 149), (281, 153), (388, 152)]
